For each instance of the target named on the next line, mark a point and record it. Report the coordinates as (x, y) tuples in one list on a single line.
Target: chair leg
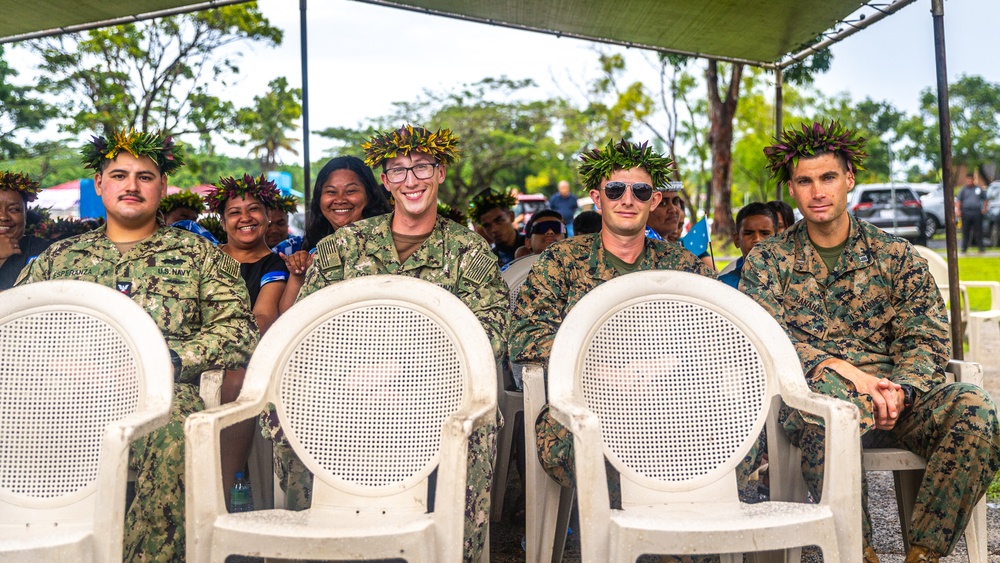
[(975, 325), (975, 534), (906, 483), (261, 464), (566, 497), (542, 509), (502, 466)]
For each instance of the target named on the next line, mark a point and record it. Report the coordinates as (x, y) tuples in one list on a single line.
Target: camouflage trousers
[(555, 454), (297, 481), (954, 427), (154, 523)]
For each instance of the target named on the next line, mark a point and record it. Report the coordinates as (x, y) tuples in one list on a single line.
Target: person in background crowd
[(586, 223), (663, 218), (277, 238), (871, 328), (754, 223), (544, 228), (564, 203), (345, 192), (785, 214), (181, 206), (971, 206), (242, 205), (415, 241), (16, 248), (191, 290), (491, 211)]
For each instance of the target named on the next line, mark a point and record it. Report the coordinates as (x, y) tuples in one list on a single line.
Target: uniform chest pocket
[(871, 319), (173, 304)]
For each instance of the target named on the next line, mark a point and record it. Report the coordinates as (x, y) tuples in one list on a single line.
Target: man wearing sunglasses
[(871, 328), (543, 229), (621, 178)]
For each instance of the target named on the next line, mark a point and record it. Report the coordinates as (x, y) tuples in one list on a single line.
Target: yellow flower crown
[(168, 155), (21, 183), (442, 145)]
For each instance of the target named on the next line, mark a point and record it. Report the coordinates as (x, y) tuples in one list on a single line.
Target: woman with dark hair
[(345, 192), (786, 216), (16, 248)]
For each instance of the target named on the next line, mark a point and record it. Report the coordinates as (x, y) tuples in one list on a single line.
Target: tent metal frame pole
[(779, 110), (944, 125), (304, 48)]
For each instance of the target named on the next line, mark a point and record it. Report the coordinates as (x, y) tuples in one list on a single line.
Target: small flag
[(697, 238)]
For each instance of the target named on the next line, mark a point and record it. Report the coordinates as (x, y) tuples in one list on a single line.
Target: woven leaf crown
[(598, 164), (20, 183), (168, 155), (261, 188), (814, 140), (442, 145)]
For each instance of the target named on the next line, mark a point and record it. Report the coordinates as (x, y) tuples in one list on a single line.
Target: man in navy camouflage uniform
[(193, 292), (871, 328), (415, 241)]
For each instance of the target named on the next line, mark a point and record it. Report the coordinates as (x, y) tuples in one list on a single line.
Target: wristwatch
[(909, 395)]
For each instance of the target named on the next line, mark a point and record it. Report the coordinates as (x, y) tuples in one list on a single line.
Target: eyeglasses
[(420, 172), (542, 227), (641, 190)]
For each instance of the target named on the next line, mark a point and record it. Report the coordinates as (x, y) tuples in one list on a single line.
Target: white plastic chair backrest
[(937, 265), (366, 372), (77, 357), (516, 273), (729, 267), (676, 368)]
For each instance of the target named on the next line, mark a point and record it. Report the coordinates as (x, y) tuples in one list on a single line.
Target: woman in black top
[(242, 205), (16, 248)]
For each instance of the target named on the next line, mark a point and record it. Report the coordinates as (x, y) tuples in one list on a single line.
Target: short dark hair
[(587, 222), (756, 208), (783, 210)]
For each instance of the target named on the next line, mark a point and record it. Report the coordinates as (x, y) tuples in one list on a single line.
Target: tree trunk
[(720, 139)]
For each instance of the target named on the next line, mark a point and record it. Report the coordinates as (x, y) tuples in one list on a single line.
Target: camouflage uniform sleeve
[(762, 283), (921, 338), (37, 270), (538, 312), (228, 333), (482, 288), (326, 268)]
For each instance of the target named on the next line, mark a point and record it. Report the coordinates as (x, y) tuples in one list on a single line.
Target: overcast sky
[(364, 57)]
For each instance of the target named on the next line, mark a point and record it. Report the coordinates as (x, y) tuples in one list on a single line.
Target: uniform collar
[(856, 255), (423, 256)]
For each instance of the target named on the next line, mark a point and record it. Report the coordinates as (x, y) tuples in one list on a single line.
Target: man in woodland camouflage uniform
[(871, 328), (192, 291), (622, 179), (414, 241)]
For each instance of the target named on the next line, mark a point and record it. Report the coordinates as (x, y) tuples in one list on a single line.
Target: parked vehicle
[(528, 204), (933, 203), (991, 224), (902, 215)]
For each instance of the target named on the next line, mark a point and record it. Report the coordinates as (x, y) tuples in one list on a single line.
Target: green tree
[(156, 74), (20, 110), (877, 121), (975, 119), (267, 122)]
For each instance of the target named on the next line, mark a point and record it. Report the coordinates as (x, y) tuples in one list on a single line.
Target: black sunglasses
[(641, 190), (542, 227)]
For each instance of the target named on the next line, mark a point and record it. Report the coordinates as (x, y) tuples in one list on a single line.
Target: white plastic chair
[(670, 376), (976, 320), (908, 471), (511, 402), (377, 382), (548, 506), (84, 372)]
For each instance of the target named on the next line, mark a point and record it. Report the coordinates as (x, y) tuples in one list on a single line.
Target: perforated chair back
[(82, 364), (377, 381), (362, 396), (679, 387)]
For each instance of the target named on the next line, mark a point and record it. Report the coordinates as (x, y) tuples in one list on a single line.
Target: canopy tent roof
[(752, 31)]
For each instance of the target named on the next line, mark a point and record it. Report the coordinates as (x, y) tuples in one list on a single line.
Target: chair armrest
[(966, 372), (210, 388), (993, 286), (588, 458)]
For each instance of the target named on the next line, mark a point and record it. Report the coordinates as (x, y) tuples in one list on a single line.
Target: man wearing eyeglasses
[(414, 241), (621, 178)]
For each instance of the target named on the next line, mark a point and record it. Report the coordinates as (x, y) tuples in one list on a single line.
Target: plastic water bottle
[(240, 496)]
